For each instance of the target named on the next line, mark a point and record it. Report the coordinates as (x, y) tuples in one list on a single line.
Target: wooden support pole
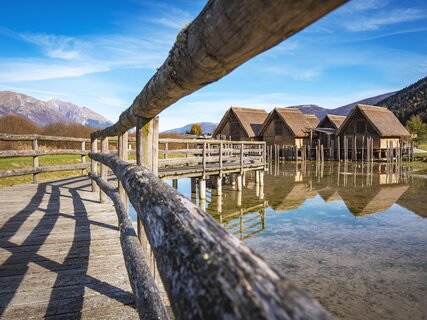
[(83, 157), (219, 186), (239, 182), (122, 146), (202, 189), (338, 149), (104, 170), (175, 183), (94, 164), (35, 161), (261, 177)]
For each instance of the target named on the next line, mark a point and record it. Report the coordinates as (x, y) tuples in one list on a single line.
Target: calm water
[(354, 237)]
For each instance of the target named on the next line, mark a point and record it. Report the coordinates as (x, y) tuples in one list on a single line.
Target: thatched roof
[(250, 119), (293, 118), (382, 119), (312, 119), (335, 120)]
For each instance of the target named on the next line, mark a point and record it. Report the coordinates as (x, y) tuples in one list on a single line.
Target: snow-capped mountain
[(45, 112)]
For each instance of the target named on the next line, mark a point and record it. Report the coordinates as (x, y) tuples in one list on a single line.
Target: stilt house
[(327, 129), (287, 126), (240, 124), (376, 122)]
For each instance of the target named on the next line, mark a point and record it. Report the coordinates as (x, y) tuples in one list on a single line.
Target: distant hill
[(45, 112), (409, 101), (373, 101), (312, 109), (207, 127)]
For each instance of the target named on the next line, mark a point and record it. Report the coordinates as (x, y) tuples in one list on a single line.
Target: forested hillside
[(409, 101)]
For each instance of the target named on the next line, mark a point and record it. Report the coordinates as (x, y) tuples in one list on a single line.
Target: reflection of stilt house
[(287, 126), (363, 201), (377, 123), (240, 124)]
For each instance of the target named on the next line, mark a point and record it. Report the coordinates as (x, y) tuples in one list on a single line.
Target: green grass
[(423, 145), (21, 163)]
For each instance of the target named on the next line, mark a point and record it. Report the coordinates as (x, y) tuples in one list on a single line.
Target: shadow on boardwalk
[(60, 254)]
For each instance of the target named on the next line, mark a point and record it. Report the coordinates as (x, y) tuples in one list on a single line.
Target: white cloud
[(384, 19), (60, 47)]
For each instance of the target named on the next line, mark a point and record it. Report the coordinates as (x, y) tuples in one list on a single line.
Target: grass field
[(21, 163)]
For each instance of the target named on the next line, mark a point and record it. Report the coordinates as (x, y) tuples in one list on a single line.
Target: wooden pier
[(54, 261), (60, 254)]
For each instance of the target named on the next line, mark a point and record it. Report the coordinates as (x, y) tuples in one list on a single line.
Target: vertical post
[(94, 164), (175, 183), (355, 147), (219, 186), (202, 189), (83, 157), (261, 178), (35, 161), (339, 149), (104, 169), (239, 182), (241, 157), (122, 146), (147, 141)]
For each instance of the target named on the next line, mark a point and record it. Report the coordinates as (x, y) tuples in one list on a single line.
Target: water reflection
[(364, 189), (353, 236)]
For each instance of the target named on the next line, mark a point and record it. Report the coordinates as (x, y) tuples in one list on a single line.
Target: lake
[(353, 236)]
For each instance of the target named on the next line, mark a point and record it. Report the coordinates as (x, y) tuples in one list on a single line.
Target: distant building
[(240, 124), (331, 121), (371, 121), (287, 126), (326, 129)]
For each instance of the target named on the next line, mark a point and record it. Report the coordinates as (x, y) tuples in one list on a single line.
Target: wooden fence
[(207, 273), (35, 153)]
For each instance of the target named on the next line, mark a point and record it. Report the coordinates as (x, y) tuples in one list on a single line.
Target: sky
[(101, 53)]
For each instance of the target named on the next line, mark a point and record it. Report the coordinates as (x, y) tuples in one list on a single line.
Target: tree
[(417, 128), (196, 129)]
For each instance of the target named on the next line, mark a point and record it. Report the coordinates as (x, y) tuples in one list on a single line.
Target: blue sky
[(100, 54)]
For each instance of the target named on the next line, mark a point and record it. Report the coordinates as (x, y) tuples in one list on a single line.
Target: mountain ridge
[(50, 111)]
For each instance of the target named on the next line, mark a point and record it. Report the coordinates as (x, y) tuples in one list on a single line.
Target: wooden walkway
[(60, 254)]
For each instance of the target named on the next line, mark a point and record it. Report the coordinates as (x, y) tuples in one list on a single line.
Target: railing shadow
[(66, 296)]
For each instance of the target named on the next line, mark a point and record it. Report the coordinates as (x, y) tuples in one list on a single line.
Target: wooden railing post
[(122, 148), (104, 169), (35, 161), (83, 157), (94, 164)]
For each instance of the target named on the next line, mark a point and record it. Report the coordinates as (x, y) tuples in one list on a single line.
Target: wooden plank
[(31, 137), (20, 172), (32, 153), (63, 262)]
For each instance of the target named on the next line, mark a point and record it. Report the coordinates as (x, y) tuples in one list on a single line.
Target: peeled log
[(208, 274), (222, 37)]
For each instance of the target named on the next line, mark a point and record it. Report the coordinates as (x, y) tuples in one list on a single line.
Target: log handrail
[(148, 300), (39, 137), (207, 273), (222, 37)]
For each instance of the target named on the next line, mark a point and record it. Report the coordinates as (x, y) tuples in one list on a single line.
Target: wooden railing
[(210, 153), (35, 153), (207, 273)]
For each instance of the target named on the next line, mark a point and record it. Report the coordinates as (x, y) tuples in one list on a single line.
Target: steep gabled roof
[(382, 119), (293, 118), (312, 120), (336, 120), (250, 119)]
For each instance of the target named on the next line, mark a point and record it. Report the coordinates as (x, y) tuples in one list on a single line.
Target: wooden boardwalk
[(60, 254)]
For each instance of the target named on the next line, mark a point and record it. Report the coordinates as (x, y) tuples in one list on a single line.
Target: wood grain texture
[(147, 296), (60, 254), (208, 274), (222, 37)]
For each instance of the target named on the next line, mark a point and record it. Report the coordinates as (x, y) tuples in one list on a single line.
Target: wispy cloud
[(392, 17), (61, 47)]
